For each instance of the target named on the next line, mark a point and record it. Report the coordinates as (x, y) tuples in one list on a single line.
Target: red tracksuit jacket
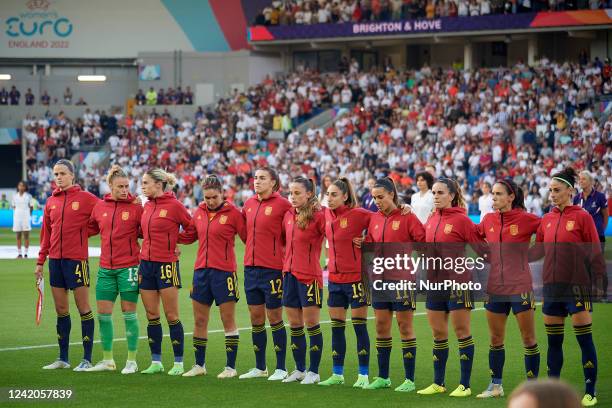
[(396, 228), (118, 223), (215, 232), (508, 236), (264, 221), (448, 226), (160, 222), (341, 226), (303, 250), (578, 264), (64, 232)]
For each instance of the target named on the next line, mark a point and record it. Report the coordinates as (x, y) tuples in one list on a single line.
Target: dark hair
[(549, 393), (307, 213), (67, 163), (273, 175), (568, 175), (346, 187), (425, 175), (512, 188), (453, 188), (212, 182), (389, 185)]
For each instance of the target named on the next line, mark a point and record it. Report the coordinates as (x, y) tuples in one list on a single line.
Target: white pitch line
[(167, 335)]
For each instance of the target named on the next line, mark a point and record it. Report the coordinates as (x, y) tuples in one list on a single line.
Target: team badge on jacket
[(570, 225), (514, 230), (75, 205), (163, 212), (448, 228), (223, 219), (268, 210), (125, 215), (395, 226), (343, 223)]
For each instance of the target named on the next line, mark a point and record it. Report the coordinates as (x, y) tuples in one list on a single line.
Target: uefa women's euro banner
[(433, 26)]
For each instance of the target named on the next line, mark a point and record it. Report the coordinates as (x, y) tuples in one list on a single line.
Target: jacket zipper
[(62, 227), (555, 251), (435, 236), (226, 248), (168, 242), (292, 246), (274, 246), (334, 245), (111, 236), (207, 229), (130, 246), (254, 223), (309, 251), (149, 226), (501, 258)]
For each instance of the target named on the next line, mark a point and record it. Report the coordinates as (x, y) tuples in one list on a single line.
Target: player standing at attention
[(63, 237), (508, 232), (390, 224), (22, 211), (564, 268), (345, 220), (214, 225), (263, 264), (117, 220), (450, 226), (304, 229), (158, 275)]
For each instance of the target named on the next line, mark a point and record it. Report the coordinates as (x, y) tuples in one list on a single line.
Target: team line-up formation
[(282, 272)]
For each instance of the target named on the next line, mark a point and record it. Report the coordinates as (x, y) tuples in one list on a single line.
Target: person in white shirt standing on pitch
[(22, 210), (485, 201), (422, 201)]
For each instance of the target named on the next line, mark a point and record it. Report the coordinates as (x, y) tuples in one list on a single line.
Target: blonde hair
[(114, 172), (306, 213), (454, 188), (168, 180)]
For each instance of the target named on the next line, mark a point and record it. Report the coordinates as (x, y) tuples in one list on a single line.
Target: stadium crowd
[(476, 126), (286, 12), (170, 96), (13, 97)]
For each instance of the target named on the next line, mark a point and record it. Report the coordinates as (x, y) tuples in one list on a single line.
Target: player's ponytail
[(344, 185), (512, 188), (454, 188), (306, 213), (212, 182), (168, 180), (115, 172), (567, 176)]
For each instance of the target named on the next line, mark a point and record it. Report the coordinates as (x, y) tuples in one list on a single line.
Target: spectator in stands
[(14, 96), (151, 97), (188, 96), (4, 96), (140, 98), (4, 203), (45, 99), (81, 102), (162, 99), (29, 97), (67, 96)]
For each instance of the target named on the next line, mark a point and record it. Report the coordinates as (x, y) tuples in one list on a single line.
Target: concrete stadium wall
[(12, 116)]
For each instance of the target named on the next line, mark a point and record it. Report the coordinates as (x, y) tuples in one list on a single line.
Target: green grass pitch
[(25, 348)]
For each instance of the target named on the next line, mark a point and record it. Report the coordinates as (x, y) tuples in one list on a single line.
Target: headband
[(449, 183), (504, 182), (564, 180)]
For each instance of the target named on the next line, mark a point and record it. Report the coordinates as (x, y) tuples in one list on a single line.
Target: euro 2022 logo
[(38, 21)]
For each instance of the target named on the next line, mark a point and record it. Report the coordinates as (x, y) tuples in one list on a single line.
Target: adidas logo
[(195, 349), (334, 353), (310, 299), (525, 303), (315, 348), (151, 340), (435, 358), (277, 349), (408, 355), (175, 342), (589, 364), (588, 381), (255, 348), (79, 281), (406, 303), (228, 349), (294, 346), (230, 294), (86, 338), (464, 357), (491, 372), (578, 304), (363, 352), (529, 374), (168, 281), (59, 337)]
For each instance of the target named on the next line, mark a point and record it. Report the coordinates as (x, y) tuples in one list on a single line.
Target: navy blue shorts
[(263, 286), (298, 295), (447, 301), (525, 301), (347, 294), (158, 275), (405, 300), (214, 284), (68, 273), (566, 301)]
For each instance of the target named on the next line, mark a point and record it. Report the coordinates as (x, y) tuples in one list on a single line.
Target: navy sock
[(409, 348), (177, 337), (199, 347), (231, 350), (87, 329), (466, 358), (383, 349), (338, 345), (279, 337), (260, 339), (155, 334), (440, 356), (363, 344), (554, 357), (63, 334), (584, 335), (532, 361), (298, 347), (316, 347), (497, 358)]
